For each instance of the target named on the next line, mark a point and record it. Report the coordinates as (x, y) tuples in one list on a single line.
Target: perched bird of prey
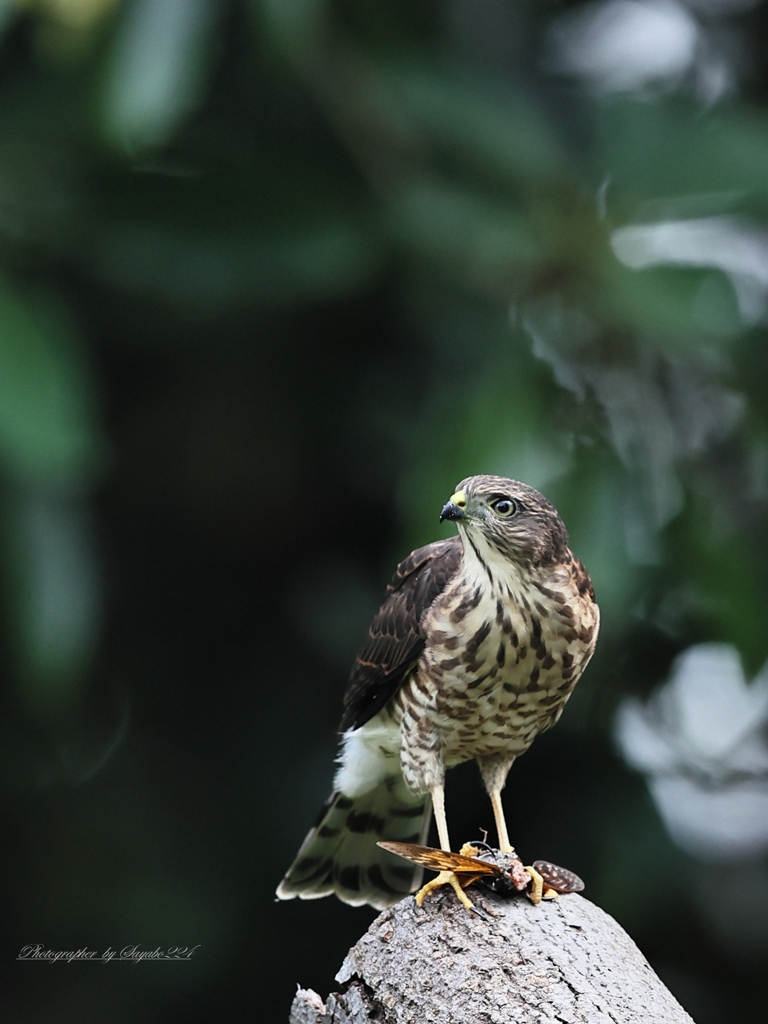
[(475, 650)]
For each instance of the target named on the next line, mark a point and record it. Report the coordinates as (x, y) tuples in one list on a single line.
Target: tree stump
[(564, 961)]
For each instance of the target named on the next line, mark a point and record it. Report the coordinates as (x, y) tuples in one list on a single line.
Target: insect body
[(503, 873)]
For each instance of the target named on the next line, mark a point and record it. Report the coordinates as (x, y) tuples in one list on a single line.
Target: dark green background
[(275, 276)]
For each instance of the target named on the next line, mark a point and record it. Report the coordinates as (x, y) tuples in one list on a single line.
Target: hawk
[(476, 649)]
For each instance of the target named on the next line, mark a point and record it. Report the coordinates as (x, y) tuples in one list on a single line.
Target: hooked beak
[(451, 511), (456, 508)]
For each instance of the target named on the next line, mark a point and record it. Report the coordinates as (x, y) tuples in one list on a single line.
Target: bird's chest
[(500, 663)]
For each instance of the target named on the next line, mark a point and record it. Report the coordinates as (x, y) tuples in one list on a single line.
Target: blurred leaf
[(668, 149), (47, 428), (482, 243), (51, 586), (208, 273), (50, 449), (715, 308), (494, 128), (297, 24), (729, 577), (158, 69), (78, 14), (659, 300), (8, 10)]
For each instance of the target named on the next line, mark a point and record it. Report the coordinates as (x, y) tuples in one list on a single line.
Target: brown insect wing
[(557, 878)]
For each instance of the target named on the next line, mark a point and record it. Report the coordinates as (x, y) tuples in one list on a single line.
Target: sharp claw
[(480, 913)]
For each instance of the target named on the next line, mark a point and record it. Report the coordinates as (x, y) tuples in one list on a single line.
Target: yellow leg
[(445, 877), (501, 825), (438, 804)]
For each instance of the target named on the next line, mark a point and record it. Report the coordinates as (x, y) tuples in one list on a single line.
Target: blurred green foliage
[(275, 276)]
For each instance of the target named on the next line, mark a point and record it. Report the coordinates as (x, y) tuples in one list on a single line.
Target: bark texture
[(564, 962)]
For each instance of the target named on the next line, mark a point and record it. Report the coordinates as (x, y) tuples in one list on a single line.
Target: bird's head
[(508, 518)]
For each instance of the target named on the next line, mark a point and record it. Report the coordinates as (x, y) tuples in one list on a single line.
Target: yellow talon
[(445, 878)]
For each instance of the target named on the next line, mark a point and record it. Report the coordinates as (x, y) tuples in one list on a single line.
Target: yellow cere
[(459, 498)]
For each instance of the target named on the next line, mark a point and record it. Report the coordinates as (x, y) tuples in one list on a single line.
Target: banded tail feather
[(340, 855)]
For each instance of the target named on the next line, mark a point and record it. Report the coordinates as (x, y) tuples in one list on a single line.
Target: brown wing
[(395, 637), (442, 860)]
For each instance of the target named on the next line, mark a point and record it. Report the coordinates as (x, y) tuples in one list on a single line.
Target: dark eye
[(504, 507)]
